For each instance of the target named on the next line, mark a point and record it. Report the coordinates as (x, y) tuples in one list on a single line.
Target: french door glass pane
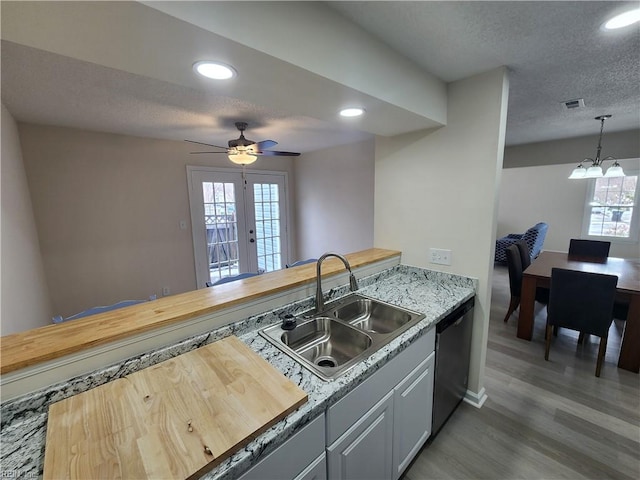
[(222, 229), (267, 212)]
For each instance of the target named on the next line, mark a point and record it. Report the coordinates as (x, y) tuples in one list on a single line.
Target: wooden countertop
[(38, 345), (179, 418)]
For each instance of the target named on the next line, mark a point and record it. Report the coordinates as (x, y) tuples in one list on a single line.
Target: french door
[(239, 223)]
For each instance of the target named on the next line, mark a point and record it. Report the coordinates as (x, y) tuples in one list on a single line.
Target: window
[(611, 210)]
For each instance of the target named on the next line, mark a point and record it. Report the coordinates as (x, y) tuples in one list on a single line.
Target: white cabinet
[(376, 430), (301, 457), (364, 452), (317, 470), (373, 432), (412, 405)]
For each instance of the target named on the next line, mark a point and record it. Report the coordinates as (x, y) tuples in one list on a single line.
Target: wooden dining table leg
[(629, 358), (527, 305)]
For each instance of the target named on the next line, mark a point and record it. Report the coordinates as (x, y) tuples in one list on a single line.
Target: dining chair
[(581, 301), (101, 309), (231, 278), (514, 266), (301, 262), (525, 256), (589, 248)]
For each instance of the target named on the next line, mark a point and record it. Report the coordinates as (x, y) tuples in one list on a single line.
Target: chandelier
[(595, 170)]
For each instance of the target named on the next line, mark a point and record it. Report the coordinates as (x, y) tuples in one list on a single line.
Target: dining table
[(538, 274)]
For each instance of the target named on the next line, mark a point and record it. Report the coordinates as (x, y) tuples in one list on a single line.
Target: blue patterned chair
[(95, 310), (534, 237)]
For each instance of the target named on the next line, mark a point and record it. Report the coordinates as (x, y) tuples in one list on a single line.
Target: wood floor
[(542, 420)]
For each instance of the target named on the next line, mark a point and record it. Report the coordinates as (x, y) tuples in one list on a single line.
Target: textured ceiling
[(555, 51)]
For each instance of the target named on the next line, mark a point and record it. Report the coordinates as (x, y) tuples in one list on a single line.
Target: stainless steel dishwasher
[(453, 346)]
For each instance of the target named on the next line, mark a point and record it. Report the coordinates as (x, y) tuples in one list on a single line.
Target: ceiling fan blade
[(207, 144), (265, 144), (275, 153), (195, 153)]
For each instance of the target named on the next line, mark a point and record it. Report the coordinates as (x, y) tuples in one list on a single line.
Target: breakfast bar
[(380, 275)]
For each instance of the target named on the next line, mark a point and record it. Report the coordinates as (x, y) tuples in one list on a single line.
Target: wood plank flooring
[(542, 420)]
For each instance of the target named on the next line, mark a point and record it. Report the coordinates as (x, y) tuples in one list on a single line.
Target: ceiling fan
[(243, 151)]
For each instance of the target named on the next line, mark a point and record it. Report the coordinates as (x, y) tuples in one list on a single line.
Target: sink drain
[(326, 362)]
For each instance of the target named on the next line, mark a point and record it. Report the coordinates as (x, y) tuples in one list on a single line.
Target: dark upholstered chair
[(589, 248), (301, 262), (102, 309), (598, 250), (581, 301), (232, 278), (525, 255), (514, 265), (534, 238)]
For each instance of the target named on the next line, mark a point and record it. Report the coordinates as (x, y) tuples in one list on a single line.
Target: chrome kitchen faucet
[(353, 284)]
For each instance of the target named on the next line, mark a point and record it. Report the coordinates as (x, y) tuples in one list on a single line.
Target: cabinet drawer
[(316, 471), (294, 456), (349, 409)]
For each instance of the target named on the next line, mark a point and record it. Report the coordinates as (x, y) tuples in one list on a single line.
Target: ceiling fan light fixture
[(623, 20), (214, 70), (352, 112), (242, 158)]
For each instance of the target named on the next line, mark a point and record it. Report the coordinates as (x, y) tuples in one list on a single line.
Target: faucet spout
[(353, 284)]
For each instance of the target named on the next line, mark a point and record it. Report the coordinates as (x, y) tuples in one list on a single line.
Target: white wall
[(334, 191), (108, 210), (529, 195), (24, 296), (439, 189)]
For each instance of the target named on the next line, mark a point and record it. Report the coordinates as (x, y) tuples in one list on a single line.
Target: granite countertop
[(434, 294)]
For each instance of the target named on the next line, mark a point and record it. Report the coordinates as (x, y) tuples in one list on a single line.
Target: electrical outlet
[(440, 256), (166, 291)]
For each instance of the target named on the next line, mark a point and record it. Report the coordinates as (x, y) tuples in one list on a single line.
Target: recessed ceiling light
[(352, 112), (623, 20), (215, 70)]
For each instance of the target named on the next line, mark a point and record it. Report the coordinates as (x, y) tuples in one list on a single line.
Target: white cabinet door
[(364, 452), (412, 403)]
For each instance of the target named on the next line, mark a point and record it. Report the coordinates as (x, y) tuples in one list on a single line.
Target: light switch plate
[(440, 256)]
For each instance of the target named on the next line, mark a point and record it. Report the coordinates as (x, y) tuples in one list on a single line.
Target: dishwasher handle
[(455, 317)]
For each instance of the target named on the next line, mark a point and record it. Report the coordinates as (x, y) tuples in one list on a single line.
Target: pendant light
[(595, 170)]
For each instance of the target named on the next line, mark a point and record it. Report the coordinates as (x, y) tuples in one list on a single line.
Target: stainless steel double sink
[(345, 332)]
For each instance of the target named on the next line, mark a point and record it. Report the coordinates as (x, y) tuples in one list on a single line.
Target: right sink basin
[(372, 315), (347, 331)]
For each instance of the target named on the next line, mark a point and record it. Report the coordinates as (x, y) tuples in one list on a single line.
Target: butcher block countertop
[(177, 419), (42, 344)]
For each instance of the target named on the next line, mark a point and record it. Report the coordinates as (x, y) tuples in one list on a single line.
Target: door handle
[(251, 240)]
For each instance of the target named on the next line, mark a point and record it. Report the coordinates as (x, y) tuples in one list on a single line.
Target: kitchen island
[(432, 293)]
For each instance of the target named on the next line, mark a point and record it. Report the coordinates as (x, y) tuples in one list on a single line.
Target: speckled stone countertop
[(434, 294)]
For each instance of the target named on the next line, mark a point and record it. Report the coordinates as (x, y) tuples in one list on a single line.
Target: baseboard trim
[(475, 399)]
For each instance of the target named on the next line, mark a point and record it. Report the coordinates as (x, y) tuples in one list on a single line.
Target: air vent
[(573, 104)]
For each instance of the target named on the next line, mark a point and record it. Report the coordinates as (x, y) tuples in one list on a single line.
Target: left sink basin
[(325, 345)]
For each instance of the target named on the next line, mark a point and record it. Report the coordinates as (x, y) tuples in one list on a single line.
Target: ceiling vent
[(573, 104)]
